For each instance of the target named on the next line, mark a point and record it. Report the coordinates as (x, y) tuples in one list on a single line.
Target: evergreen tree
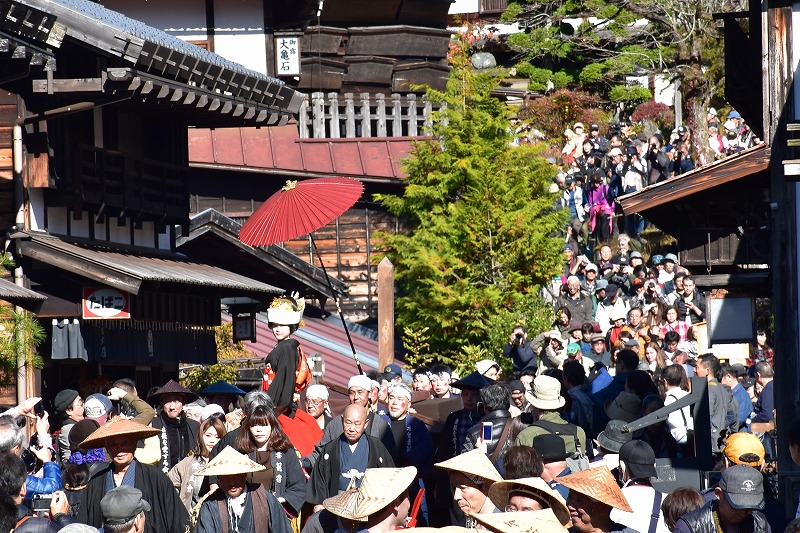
[(482, 222)]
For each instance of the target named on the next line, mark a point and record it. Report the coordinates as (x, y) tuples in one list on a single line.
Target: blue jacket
[(745, 404), (47, 484), (765, 404)]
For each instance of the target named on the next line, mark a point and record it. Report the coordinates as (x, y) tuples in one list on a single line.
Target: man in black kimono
[(178, 434), (342, 461)]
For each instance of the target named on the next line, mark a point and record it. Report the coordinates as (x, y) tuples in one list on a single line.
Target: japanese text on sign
[(287, 56), (105, 303)]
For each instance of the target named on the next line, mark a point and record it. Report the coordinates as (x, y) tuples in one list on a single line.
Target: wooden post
[(385, 313)]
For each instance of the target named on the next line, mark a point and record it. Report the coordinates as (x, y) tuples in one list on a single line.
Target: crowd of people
[(597, 169), (545, 448)]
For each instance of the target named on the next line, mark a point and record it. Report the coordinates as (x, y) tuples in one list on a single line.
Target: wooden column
[(385, 313)]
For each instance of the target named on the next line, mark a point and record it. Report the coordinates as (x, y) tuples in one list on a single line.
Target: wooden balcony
[(493, 6)]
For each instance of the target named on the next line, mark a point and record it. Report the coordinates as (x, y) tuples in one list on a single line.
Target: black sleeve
[(283, 359)]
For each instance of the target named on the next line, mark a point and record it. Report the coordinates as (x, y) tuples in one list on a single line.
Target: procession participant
[(471, 476), (238, 506), (381, 504), (317, 404), (177, 433), (120, 438), (184, 474), (285, 315), (521, 522), (342, 461), (593, 493), (263, 440), (529, 494)]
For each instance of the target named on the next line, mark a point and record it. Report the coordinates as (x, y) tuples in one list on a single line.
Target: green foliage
[(630, 95), (20, 335), (512, 12), (199, 377), (481, 218), (540, 76)]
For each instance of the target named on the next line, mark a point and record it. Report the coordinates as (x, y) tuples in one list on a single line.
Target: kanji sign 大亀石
[(103, 303), (287, 56)]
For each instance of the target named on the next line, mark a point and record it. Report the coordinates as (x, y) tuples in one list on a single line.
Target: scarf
[(236, 509), (95, 454)]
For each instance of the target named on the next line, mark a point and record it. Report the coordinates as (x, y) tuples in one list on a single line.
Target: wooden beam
[(74, 85), (385, 313)]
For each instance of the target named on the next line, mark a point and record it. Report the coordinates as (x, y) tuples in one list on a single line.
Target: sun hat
[(597, 337), (614, 151), (616, 314), (473, 381), (173, 387), (521, 522), (671, 258), (574, 325), (551, 447), (612, 438), (743, 487), (734, 114), (626, 406), (640, 459), (656, 259), (229, 462), (555, 335), (711, 111), (121, 504), (80, 431), (580, 125), (222, 387), (741, 444), (286, 311), (473, 464), (546, 393), (600, 284), (534, 487), (119, 427), (64, 400), (635, 254), (484, 365), (599, 484), (379, 487), (361, 381)]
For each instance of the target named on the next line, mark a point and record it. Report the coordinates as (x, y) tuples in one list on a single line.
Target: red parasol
[(299, 208)]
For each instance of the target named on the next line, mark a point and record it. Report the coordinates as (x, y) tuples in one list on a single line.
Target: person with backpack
[(285, 370), (546, 397)]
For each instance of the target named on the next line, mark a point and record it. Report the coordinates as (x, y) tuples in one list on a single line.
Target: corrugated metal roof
[(280, 150), (15, 294), (327, 338), (128, 270), (731, 168)]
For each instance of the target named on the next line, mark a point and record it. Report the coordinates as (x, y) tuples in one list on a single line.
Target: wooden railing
[(364, 115), (493, 6)]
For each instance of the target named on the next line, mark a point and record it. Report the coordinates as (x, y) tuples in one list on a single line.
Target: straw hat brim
[(501, 491), (521, 522), (472, 463), (118, 427), (379, 488), (599, 484), (229, 462)]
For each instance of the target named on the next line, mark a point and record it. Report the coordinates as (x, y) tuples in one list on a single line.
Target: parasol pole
[(336, 301)]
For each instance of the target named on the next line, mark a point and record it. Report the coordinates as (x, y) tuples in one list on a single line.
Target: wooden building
[(93, 118)]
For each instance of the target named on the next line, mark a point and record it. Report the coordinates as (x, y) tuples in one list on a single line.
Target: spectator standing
[(761, 350), (680, 422), (177, 433), (68, 408), (12, 440), (691, 304), (718, 402), (637, 465), (13, 484), (577, 301), (729, 378)]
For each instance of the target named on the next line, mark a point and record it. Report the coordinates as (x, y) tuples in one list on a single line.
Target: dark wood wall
[(8, 115)]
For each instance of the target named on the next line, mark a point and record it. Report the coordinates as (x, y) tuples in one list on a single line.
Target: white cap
[(712, 111), (317, 391), (360, 381), (483, 366), (210, 410)]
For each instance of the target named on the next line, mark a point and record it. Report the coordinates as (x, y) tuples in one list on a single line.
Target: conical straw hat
[(599, 484), (379, 488), (472, 463), (229, 462), (543, 521), (118, 427), (501, 491)]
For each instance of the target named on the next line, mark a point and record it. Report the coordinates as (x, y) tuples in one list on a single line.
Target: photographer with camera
[(520, 350), (50, 512), (681, 160), (657, 160), (38, 455)]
